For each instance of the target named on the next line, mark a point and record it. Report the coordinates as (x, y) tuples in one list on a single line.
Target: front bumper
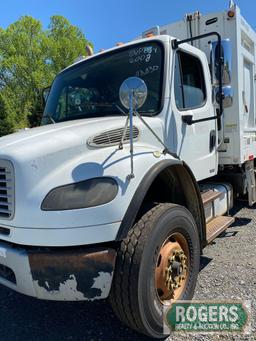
[(77, 274)]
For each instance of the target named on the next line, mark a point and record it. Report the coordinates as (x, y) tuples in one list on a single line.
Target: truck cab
[(118, 191)]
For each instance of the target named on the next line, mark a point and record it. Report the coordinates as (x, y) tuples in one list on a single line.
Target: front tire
[(166, 237)]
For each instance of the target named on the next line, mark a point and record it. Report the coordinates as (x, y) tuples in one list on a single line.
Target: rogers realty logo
[(198, 316)]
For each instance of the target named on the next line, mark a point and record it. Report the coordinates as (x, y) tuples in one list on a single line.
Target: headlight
[(84, 194)]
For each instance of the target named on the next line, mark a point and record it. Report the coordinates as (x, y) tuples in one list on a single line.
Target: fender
[(137, 200)]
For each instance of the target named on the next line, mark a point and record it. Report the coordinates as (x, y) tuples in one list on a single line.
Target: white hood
[(55, 137)]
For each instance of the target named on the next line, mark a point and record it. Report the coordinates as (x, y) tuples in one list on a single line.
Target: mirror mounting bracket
[(188, 119), (133, 94), (220, 61)]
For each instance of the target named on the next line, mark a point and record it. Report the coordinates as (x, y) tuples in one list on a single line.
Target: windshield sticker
[(142, 54), (148, 70)]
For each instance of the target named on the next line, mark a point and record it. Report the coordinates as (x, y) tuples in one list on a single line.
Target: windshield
[(91, 88)]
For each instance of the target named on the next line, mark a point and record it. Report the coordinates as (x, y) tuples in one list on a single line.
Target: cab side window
[(189, 83)]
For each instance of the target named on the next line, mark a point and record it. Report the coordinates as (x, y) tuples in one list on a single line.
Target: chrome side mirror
[(227, 96), (133, 93), (226, 54)]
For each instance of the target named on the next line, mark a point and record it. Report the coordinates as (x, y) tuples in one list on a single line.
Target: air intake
[(6, 189), (112, 137)]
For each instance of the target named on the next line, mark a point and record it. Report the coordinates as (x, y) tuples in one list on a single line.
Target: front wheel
[(157, 264)]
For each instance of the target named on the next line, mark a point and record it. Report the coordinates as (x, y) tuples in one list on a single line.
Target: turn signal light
[(231, 14), (149, 35), (89, 50)]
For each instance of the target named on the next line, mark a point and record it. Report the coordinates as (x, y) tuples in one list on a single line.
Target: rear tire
[(134, 295)]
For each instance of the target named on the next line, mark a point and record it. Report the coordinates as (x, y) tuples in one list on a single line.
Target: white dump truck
[(141, 150)]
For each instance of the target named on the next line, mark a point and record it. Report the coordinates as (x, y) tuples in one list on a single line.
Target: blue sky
[(107, 22)]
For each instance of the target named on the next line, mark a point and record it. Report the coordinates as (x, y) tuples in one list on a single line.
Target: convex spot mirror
[(227, 96), (133, 88)]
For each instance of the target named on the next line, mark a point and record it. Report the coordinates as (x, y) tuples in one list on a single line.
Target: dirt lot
[(228, 271)]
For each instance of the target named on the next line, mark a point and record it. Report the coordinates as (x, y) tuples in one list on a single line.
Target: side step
[(209, 196), (216, 226)]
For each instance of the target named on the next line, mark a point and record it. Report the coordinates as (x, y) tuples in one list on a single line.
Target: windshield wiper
[(120, 109), (107, 105)]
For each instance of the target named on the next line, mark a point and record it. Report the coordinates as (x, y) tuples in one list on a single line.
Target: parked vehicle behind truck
[(134, 169)]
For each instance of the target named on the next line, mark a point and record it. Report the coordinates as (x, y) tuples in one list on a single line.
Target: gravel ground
[(228, 272)]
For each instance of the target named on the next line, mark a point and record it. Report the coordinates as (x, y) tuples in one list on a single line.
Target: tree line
[(30, 58)]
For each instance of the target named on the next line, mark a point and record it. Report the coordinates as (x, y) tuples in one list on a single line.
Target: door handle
[(212, 140)]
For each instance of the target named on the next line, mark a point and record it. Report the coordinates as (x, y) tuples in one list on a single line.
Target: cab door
[(192, 95)]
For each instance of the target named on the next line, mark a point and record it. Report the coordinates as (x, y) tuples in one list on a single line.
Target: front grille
[(112, 137), (4, 231), (6, 190)]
